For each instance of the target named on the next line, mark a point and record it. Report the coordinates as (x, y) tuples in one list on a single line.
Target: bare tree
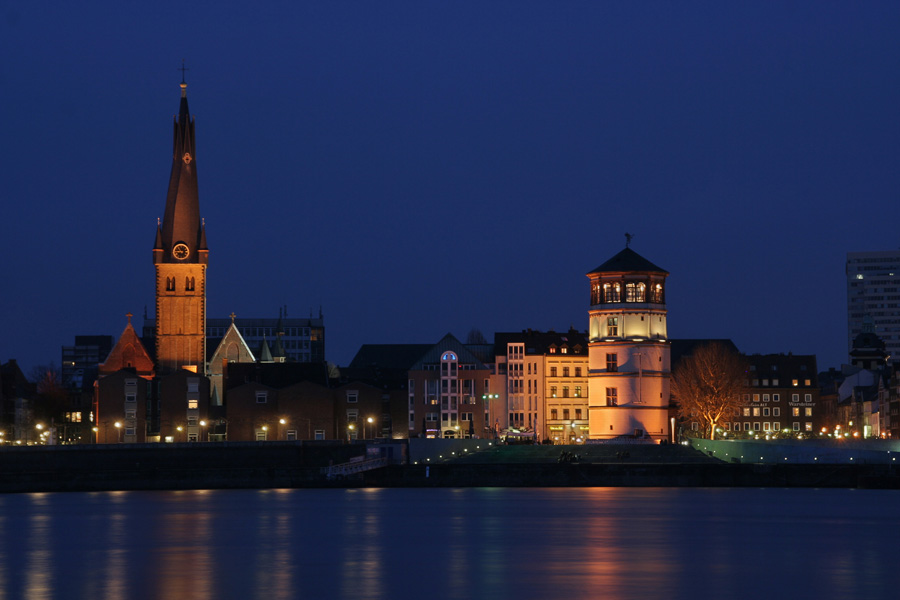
[(708, 385)]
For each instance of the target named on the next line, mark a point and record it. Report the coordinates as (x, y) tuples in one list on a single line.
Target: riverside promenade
[(438, 463)]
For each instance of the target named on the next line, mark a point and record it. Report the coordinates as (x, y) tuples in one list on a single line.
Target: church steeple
[(181, 235), (181, 255)]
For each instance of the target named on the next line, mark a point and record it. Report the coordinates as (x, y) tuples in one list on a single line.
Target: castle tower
[(628, 350), (180, 255)]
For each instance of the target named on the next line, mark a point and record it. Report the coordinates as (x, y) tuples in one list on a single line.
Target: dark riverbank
[(299, 465)]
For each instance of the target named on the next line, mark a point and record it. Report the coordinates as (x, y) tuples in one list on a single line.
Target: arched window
[(189, 284), (170, 284), (656, 293)]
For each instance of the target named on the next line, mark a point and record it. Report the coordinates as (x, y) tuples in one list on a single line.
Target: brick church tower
[(180, 255)]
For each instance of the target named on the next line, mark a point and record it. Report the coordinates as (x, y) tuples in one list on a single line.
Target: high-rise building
[(873, 295), (629, 351)]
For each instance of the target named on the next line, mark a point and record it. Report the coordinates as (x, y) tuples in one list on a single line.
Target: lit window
[(612, 396), (612, 326)]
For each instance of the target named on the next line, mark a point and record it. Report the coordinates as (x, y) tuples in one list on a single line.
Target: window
[(192, 404), (352, 396), (795, 382), (765, 397), (807, 397), (755, 411), (807, 412), (656, 293), (612, 326), (262, 397), (578, 391), (260, 436), (795, 397), (746, 426), (756, 426), (612, 396), (796, 426), (612, 292), (465, 416), (776, 398), (552, 371), (129, 414), (808, 426), (565, 414), (578, 414), (795, 412), (612, 362), (776, 412), (553, 391), (765, 411), (565, 391), (554, 414), (776, 426), (320, 434), (565, 371), (766, 426), (130, 397), (189, 284), (635, 292), (756, 397), (291, 435), (746, 412), (577, 371)]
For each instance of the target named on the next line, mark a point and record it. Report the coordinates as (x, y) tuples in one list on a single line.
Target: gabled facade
[(232, 349)]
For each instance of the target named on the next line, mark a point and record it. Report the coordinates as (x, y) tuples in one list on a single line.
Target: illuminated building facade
[(628, 348), (546, 383), (180, 255)]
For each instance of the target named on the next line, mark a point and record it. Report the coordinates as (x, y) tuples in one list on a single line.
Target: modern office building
[(873, 292)]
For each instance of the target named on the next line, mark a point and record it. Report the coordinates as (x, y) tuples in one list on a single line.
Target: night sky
[(417, 168)]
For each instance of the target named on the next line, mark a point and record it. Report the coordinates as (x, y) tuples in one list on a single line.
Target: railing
[(351, 468)]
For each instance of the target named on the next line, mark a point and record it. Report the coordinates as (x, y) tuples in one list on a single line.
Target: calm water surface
[(452, 543)]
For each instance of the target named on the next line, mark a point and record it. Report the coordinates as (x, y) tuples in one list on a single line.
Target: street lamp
[(282, 422), (96, 430), (200, 433), (350, 428), (370, 420), (179, 429), (118, 430)]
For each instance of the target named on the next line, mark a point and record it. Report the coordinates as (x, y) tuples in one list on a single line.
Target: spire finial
[(232, 315), (129, 315), (158, 223), (628, 237), (183, 82)]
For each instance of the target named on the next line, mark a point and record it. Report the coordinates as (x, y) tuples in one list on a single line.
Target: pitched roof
[(233, 336), (628, 261), (389, 356), (129, 352), (447, 343)]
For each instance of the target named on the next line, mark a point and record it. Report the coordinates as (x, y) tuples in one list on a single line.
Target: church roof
[(232, 336), (628, 261), (128, 353)]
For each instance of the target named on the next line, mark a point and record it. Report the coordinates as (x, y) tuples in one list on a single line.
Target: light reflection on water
[(450, 543)]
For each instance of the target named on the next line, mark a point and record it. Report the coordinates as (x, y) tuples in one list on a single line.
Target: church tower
[(180, 255), (628, 349)]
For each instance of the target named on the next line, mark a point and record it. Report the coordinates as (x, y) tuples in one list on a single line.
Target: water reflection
[(436, 543)]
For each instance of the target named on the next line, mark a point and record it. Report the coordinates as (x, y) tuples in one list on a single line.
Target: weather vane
[(628, 237)]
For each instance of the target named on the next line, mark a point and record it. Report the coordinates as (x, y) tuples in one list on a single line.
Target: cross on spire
[(183, 69)]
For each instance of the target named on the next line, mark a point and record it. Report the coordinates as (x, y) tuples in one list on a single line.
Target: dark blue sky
[(417, 168)]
